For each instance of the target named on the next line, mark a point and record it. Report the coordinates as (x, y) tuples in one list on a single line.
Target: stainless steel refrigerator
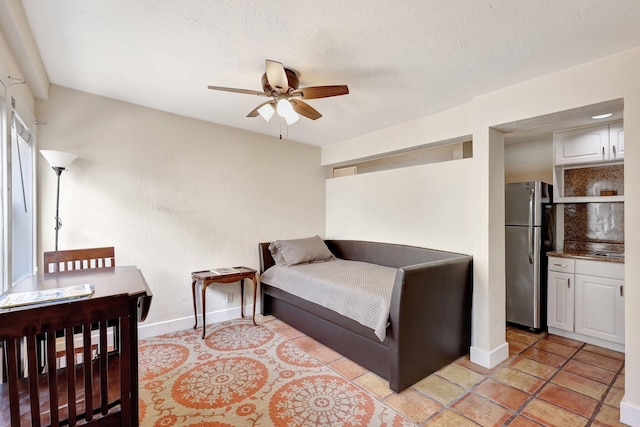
[(530, 233)]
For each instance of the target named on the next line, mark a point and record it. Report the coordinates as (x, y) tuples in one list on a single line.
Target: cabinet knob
[(569, 283), (614, 152), (560, 265), (621, 290)]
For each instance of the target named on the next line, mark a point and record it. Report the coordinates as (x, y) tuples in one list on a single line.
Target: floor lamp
[(59, 161)]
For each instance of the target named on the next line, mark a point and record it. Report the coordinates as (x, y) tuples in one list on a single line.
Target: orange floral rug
[(245, 375)]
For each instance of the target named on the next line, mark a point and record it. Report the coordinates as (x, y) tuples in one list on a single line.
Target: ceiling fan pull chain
[(283, 122)]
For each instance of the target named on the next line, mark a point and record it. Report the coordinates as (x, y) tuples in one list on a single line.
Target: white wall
[(403, 205), (450, 124), (172, 194), (607, 79), (9, 66)]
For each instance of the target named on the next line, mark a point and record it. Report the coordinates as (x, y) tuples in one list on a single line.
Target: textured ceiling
[(401, 59)]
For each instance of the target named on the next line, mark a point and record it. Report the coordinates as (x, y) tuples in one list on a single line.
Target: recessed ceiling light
[(602, 116)]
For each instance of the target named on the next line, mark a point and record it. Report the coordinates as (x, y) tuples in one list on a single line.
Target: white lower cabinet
[(560, 291), (586, 301), (599, 308)]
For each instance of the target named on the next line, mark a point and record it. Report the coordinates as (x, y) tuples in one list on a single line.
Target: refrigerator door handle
[(531, 229)]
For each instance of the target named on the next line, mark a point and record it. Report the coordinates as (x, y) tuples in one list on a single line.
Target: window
[(22, 215), (17, 172), (4, 137)]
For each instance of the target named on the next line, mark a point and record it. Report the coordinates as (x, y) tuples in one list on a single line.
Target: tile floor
[(548, 380)]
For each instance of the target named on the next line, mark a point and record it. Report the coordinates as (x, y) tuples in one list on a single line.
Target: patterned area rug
[(245, 375)]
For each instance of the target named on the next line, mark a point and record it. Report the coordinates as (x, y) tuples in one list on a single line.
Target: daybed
[(429, 315)]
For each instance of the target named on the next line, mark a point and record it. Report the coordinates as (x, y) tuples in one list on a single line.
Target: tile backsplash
[(594, 226), (594, 181)]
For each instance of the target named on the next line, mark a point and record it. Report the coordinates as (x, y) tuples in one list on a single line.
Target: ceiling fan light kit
[(266, 111), (285, 110), (281, 84)]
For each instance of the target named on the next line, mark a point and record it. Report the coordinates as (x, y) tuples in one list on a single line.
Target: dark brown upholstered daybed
[(430, 313)]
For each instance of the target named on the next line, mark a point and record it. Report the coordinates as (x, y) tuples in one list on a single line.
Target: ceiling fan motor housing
[(292, 78)]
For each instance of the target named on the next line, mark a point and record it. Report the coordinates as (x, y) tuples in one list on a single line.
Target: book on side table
[(225, 270)]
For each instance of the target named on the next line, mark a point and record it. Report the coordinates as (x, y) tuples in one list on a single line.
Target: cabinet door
[(599, 308), (582, 145), (616, 141), (560, 294)]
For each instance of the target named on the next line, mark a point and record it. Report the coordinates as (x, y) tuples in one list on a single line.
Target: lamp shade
[(58, 159)]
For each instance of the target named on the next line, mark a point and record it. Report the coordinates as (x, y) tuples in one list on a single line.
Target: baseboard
[(629, 413), (148, 330), (587, 339), (489, 359)]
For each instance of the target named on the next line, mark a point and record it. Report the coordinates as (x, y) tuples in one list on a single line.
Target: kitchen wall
[(172, 194), (582, 225), (529, 161)]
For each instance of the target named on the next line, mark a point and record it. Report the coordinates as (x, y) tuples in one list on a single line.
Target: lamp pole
[(58, 171), (59, 160)]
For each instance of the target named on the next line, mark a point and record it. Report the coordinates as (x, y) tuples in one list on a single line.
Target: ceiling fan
[(281, 85)]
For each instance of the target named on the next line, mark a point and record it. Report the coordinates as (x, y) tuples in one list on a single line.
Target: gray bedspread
[(357, 290)]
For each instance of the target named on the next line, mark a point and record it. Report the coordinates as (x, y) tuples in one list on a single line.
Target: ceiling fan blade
[(305, 109), (230, 89), (254, 112), (313, 92), (276, 76)]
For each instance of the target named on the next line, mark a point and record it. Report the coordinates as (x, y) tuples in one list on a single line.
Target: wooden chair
[(74, 260), (96, 391), (79, 259)]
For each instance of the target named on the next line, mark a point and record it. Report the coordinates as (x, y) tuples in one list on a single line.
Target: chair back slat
[(71, 374), (53, 379), (79, 259), (104, 391), (91, 391), (33, 385), (88, 374), (12, 376), (125, 367)]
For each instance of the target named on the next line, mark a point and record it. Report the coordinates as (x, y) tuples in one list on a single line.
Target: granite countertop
[(589, 255)]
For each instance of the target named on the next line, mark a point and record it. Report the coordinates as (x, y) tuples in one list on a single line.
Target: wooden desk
[(206, 278), (109, 282)]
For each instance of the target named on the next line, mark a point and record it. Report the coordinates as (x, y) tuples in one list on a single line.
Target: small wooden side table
[(207, 277)]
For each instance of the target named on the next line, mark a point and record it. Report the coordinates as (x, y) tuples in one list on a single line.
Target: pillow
[(300, 251), (277, 257)]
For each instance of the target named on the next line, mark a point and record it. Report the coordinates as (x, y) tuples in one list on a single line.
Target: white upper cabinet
[(616, 140), (581, 145), (592, 144), (582, 157)]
